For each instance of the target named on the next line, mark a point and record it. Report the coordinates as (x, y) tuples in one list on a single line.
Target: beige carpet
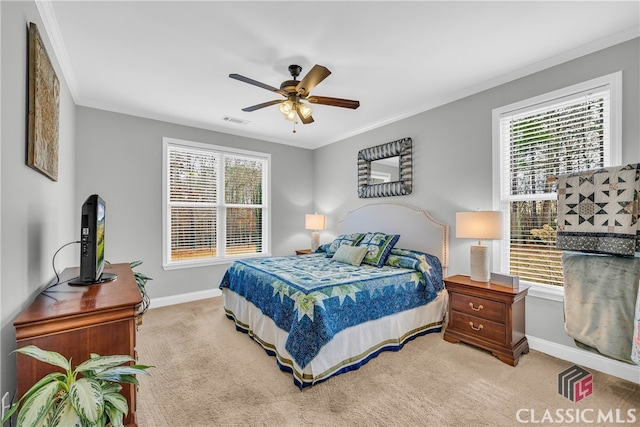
[(208, 374)]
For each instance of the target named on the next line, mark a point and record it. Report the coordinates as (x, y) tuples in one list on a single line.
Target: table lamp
[(480, 225), (316, 223)]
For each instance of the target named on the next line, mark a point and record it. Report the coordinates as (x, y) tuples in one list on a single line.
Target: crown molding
[(614, 39), (52, 30)]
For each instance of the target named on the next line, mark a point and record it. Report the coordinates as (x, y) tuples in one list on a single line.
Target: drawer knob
[(480, 307), (479, 328)]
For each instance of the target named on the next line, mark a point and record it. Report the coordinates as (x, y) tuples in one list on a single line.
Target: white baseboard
[(182, 298), (585, 358)]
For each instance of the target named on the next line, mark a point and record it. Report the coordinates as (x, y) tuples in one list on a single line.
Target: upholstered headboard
[(418, 230)]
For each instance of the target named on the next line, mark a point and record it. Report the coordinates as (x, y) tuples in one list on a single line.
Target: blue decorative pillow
[(429, 265), (323, 248), (379, 245), (345, 239)]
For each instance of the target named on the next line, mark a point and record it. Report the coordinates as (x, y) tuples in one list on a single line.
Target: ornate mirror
[(385, 170)]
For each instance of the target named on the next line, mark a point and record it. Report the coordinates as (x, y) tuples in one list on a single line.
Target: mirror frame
[(401, 148)]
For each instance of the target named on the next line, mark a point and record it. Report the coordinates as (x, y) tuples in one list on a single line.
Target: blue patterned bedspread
[(314, 298)]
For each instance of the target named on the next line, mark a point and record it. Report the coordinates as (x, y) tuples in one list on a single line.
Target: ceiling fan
[(295, 91)]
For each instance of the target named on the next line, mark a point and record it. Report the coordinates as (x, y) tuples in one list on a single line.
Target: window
[(379, 177), (566, 131), (215, 204)]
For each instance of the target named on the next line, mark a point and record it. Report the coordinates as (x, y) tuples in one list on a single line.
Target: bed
[(321, 318)]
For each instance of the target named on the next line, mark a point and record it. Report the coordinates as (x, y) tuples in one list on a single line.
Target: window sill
[(208, 262), (552, 293)]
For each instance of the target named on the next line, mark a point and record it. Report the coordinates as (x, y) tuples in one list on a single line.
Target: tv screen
[(92, 238)]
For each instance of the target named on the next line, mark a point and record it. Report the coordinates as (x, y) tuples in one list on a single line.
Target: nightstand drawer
[(478, 307), (481, 328), (488, 315)]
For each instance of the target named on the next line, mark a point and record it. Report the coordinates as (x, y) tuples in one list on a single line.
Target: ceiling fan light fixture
[(286, 107), (305, 111)]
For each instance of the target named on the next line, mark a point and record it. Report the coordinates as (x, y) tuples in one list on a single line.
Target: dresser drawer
[(478, 307), (481, 328)]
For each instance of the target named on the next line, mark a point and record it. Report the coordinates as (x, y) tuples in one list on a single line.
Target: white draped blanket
[(635, 346), (600, 294)]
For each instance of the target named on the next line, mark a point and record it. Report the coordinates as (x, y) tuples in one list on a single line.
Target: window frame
[(613, 81), (221, 204)]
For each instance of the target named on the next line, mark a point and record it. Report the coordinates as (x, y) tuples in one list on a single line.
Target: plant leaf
[(142, 277), (50, 357), (129, 379), (115, 374), (9, 413), (117, 401), (111, 388), (103, 362), (38, 404), (66, 415), (115, 416), (134, 264), (46, 421), (53, 376), (86, 398)]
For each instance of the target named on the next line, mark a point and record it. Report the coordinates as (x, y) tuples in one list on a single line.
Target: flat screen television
[(92, 233)]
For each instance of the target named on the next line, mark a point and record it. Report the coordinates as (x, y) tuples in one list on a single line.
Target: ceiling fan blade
[(317, 74), (264, 104), (336, 102), (257, 83)]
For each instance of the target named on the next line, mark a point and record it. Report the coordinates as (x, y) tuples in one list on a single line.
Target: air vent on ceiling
[(235, 120)]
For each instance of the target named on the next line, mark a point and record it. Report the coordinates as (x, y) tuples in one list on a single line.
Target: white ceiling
[(170, 60)]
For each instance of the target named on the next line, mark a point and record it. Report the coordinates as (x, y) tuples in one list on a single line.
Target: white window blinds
[(538, 142), (214, 203), (193, 186), (243, 197)]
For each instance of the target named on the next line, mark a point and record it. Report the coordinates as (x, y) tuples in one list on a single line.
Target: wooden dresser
[(488, 316), (76, 321)]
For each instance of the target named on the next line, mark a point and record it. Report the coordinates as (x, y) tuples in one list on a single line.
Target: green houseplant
[(87, 396), (141, 281)]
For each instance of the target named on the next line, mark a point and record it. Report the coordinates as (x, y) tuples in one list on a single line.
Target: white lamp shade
[(314, 222), (481, 225)]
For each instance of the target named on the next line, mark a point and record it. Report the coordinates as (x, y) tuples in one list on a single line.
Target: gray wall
[(38, 215), (452, 148), (120, 158)]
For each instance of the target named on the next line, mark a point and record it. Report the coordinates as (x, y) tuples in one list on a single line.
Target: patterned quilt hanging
[(598, 211)]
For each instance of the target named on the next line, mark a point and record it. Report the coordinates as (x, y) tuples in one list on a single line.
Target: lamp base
[(480, 263), (315, 240)]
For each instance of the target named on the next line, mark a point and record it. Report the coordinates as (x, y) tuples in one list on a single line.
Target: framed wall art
[(44, 107)]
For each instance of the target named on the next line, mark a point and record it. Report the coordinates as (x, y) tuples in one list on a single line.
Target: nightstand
[(487, 315), (303, 251)]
